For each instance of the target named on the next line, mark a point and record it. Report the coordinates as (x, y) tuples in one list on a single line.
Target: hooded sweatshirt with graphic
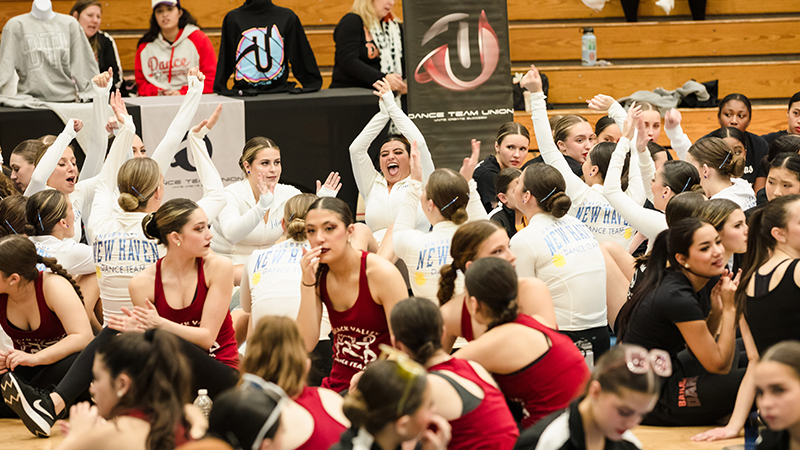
[(163, 65), (259, 41)]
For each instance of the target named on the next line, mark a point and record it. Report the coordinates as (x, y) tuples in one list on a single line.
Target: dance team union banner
[(225, 141), (459, 74)]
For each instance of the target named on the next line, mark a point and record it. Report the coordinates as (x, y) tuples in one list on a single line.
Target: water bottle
[(203, 402), (588, 47), (751, 431)]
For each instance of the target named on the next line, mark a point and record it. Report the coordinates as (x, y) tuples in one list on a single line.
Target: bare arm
[(309, 316), (386, 284)]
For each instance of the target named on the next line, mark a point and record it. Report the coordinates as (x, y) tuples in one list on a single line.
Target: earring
[(248, 172), (120, 394), (663, 196), (686, 265), (179, 243)]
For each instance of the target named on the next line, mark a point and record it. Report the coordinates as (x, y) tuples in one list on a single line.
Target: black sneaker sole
[(15, 399)]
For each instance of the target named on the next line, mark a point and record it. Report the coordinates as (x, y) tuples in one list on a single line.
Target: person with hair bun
[(721, 170), (793, 119), (140, 393), (561, 251), (624, 387), (506, 214), (738, 142), (474, 240), (383, 191), (510, 150), (42, 314), (777, 379), (334, 272), (517, 348), (463, 391), (50, 217), (312, 417), (393, 404), (669, 310), (448, 200)]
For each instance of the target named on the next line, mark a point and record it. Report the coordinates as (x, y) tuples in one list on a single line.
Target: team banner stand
[(225, 141), (459, 74)]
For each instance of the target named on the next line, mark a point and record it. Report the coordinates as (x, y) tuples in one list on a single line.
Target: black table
[(314, 132)]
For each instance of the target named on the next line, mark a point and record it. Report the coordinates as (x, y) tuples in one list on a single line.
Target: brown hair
[(44, 210), (546, 184), (510, 129), (611, 371), (463, 248), (276, 353), (716, 211), (12, 215), (564, 126), (79, 7), (7, 187), (294, 214), (251, 149), (717, 155), (28, 149), (417, 323), (493, 282), (170, 217), (138, 179), (786, 353), (18, 255), (450, 193)]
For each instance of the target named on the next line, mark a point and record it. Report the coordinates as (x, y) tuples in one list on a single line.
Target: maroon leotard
[(357, 332), (551, 382), (50, 329), (224, 349), (181, 435), (327, 430), (466, 323), (490, 426)]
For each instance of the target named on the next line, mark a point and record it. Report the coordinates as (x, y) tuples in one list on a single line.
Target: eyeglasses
[(406, 368), (639, 360), (273, 391)]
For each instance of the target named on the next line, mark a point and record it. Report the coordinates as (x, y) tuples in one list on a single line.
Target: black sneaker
[(32, 405)]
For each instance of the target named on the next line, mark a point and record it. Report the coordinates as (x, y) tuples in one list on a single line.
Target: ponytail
[(418, 324), (56, 268), (447, 283)]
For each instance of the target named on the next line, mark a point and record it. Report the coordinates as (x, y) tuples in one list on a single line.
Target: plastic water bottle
[(751, 431), (203, 402), (588, 47)]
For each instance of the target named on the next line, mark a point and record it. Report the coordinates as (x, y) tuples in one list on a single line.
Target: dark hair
[(463, 248), (7, 187), (12, 215), (160, 380), (673, 241), (44, 210), (740, 97), (683, 205), (79, 7), (493, 282), (655, 149), (600, 156), (417, 323), (717, 155), (786, 353), (730, 132), (170, 217), (680, 176), (547, 186), (795, 98), (612, 372), (337, 207), (398, 138), (504, 178), (510, 129), (788, 161), (18, 255), (602, 124), (450, 193), (238, 415), (788, 143), (760, 241), (373, 404), (251, 149), (152, 33)]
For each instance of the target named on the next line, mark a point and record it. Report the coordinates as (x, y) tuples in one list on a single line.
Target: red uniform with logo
[(326, 429), (357, 332), (50, 329), (551, 382), (224, 349)]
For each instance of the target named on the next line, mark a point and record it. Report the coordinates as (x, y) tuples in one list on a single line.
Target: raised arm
[(51, 157), (235, 226), (213, 191), (409, 130), (611, 107), (475, 209), (180, 124), (98, 141), (678, 139), (363, 169), (309, 316), (405, 235)]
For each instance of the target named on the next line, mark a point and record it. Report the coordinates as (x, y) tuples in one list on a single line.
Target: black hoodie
[(259, 40)]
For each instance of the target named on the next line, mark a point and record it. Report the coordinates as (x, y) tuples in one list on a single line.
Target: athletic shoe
[(32, 405)]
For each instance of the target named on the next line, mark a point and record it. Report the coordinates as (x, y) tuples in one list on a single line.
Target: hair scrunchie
[(39, 259)]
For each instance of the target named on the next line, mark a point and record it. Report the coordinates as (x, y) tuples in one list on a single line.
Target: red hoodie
[(161, 65)]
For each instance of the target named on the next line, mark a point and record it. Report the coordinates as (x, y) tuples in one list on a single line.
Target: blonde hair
[(449, 191), (276, 353), (44, 210), (137, 180), (366, 10), (717, 154), (564, 126), (294, 214), (251, 149)]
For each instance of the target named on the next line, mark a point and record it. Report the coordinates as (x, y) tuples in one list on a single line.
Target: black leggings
[(631, 8), (207, 373), (598, 337), (43, 377)]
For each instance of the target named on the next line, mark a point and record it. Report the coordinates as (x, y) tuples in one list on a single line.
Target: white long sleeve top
[(649, 222), (77, 259), (381, 205), (589, 204), (740, 192), (424, 253), (566, 256), (274, 276)]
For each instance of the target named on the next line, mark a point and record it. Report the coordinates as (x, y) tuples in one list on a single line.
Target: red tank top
[(490, 426), (466, 323), (50, 329), (357, 332), (551, 382), (327, 430), (181, 435), (224, 349)]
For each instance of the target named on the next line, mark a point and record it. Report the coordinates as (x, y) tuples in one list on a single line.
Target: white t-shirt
[(740, 193), (274, 275), (77, 259), (566, 256)]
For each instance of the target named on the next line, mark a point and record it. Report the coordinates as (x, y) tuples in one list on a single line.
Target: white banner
[(225, 141)]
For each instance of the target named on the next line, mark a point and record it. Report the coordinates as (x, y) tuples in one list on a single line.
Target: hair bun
[(150, 227), (128, 202), (559, 204)]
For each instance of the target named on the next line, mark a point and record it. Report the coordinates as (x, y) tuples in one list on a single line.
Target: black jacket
[(108, 57), (259, 41), (484, 175), (507, 218), (346, 442), (355, 65)]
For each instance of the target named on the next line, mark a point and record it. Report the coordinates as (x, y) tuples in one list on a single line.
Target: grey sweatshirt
[(47, 55)]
